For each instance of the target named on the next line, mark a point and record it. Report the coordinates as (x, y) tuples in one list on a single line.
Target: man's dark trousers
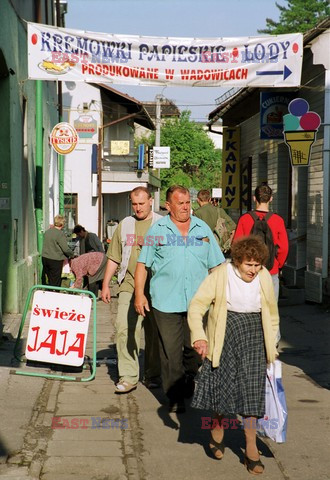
[(177, 357)]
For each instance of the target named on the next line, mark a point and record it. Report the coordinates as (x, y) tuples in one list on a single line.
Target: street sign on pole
[(161, 157), (150, 158)]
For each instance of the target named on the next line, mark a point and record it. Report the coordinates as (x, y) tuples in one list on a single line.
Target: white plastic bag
[(274, 423)]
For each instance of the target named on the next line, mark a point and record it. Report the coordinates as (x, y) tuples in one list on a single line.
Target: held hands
[(141, 305), (106, 295), (201, 347)]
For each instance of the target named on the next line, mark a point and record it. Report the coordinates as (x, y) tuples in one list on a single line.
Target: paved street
[(118, 437)]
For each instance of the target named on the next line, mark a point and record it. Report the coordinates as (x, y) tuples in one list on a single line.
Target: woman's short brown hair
[(249, 248)]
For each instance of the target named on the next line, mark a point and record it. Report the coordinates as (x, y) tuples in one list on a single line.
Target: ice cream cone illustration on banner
[(300, 127)]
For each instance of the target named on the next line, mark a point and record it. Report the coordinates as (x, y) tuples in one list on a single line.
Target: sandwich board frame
[(43, 288)]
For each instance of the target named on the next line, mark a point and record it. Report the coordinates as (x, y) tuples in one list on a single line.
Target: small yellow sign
[(119, 147), (231, 168)]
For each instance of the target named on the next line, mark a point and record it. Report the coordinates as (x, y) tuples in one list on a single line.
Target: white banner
[(74, 55)]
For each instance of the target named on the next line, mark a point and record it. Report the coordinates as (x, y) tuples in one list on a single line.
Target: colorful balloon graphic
[(295, 47), (298, 107), (310, 121), (290, 122)]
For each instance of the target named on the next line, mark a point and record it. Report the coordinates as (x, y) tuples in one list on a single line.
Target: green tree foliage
[(195, 162), (298, 16)]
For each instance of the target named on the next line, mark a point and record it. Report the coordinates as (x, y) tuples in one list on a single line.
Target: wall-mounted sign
[(231, 168), (63, 138), (119, 147), (161, 157), (216, 192), (142, 155), (86, 126), (58, 328), (74, 55), (273, 107), (193, 194), (4, 203), (300, 127)]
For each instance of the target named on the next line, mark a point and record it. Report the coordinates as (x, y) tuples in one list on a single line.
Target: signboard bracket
[(49, 375)]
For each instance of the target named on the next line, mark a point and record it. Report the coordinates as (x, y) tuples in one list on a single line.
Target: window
[(70, 210), (263, 168)]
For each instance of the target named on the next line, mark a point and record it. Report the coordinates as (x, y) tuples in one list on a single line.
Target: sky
[(174, 18)]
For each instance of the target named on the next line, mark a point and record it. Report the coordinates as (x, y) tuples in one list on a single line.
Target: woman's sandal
[(252, 464), (216, 447)]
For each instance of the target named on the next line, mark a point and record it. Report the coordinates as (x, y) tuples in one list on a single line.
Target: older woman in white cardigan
[(238, 342)]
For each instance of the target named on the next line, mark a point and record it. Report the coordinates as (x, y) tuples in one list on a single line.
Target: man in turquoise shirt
[(179, 250)]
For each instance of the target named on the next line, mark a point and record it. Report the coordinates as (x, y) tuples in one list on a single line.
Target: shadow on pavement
[(305, 341), (108, 357), (189, 426), (3, 452), (7, 358)]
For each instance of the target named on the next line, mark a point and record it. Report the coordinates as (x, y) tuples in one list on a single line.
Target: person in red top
[(262, 198)]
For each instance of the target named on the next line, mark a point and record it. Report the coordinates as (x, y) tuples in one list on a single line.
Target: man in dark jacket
[(210, 214), (88, 242)]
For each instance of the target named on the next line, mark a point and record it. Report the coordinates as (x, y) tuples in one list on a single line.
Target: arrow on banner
[(286, 72)]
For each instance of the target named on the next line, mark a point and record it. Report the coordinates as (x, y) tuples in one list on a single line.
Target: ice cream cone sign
[(300, 127)]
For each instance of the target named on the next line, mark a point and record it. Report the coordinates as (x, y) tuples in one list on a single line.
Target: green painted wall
[(19, 256)]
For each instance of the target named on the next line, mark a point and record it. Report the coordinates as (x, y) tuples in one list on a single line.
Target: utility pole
[(157, 144)]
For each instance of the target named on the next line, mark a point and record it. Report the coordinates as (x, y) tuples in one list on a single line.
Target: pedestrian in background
[(263, 195), (211, 214), (54, 251), (122, 254), (179, 253), (88, 242), (91, 265), (206, 210), (239, 341)]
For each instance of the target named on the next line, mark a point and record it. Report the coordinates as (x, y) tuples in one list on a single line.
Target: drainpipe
[(39, 168), (38, 202), (214, 131)]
